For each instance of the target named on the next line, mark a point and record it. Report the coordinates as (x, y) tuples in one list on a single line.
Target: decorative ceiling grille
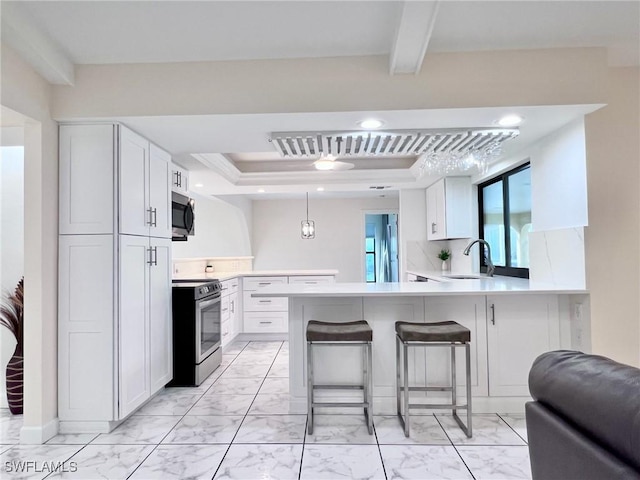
[(387, 144)]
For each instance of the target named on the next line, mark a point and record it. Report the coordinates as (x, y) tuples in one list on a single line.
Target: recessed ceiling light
[(510, 120), (320, 189), (198, 185), (370, 123), (261, 190)]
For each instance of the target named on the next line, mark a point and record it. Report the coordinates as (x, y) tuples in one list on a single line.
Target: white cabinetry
[(449, 208), (519, 328), (144, 184), (179, 180), (264, 315), (114, 319), (230, 310)]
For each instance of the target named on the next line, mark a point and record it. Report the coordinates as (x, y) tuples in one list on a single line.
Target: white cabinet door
[(133, 323), (436, 226), (449, 208), (179, 180), (85, 328), (87, 157), (519, 328), (135, 216), (160, 339), (159, 192)]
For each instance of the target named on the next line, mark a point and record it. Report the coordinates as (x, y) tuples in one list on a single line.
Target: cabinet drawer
[(255, 322), (255, 283), (230, 286), (225, 308), (257, 304), (312, 279)]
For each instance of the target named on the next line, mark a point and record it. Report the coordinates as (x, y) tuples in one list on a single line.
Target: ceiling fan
[(329, 162)]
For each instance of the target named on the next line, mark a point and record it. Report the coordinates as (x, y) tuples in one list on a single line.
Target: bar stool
[(438, 334), (342, 334)]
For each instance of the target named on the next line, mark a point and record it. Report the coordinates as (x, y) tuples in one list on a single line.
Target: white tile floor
[(237, 425)]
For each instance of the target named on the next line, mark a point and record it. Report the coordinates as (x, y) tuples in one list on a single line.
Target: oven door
[(208, 319)]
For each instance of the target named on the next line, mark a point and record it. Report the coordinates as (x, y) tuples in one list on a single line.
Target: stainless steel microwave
[(182, 216)]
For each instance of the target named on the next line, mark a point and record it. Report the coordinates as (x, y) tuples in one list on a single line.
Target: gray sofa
[(584, 422)]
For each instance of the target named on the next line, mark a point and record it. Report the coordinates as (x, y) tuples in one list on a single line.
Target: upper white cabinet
[(101, 184), (519, 328), (179, 179), (87, 179), (144, 187), (449, 208)]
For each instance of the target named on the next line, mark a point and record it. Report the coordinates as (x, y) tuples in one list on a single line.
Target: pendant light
[(308, 226)]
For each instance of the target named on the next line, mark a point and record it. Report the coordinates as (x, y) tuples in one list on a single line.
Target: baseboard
[(261, 337), (76, 426), (38, 435)]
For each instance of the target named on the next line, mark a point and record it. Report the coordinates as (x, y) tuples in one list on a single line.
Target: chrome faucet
[(487, 258)]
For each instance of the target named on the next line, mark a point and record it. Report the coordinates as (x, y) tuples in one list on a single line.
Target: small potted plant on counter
[(445, 255)]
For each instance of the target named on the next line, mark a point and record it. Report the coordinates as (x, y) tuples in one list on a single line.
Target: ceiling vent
[(388, 144)]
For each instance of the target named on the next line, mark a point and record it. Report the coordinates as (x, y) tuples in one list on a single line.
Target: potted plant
[(444, 255), (12, 317)]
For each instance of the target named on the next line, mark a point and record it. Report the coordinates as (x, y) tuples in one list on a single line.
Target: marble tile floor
[(236, 425)]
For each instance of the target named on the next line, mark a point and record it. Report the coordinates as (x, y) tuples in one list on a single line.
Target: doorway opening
[(381, 247)]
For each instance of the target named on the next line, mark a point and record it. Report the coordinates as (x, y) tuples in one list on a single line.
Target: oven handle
[(211, 299)]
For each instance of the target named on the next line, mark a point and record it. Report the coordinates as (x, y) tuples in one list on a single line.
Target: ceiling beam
[(35, 46), (412, 36)]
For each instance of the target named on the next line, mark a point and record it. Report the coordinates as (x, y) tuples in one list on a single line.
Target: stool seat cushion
[(432, 332), (358, 331)]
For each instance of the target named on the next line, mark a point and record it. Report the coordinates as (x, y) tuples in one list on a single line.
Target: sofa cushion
[(597, 394)]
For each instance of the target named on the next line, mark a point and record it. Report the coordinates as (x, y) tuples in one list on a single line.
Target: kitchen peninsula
[(511, 320)]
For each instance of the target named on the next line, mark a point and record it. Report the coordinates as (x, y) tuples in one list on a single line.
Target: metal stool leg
[(467, 352), (398, 384), (369, 390), (453, 378), (310, 388), (406, 389)]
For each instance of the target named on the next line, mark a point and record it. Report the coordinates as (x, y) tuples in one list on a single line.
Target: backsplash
[(186, 266), (557, 256), (423, 256)]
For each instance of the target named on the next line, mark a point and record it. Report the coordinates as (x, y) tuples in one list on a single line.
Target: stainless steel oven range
[(196, 331)]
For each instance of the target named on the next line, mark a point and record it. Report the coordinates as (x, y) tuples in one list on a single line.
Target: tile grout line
[(514, 430), (454, 447), (248, 409), (181, 418)]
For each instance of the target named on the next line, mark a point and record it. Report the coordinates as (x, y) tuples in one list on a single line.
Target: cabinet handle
[(264, 301), (225, 334), (155, 217), (311, 283), (264, 283), (433, 227), (493, 313), (150, 261), (225, 309), (178, 182), (233, 306), (155, 256), (266, 322), (150, 212)]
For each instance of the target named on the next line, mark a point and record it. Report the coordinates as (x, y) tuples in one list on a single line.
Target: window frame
[(507, 271), (366, 254)]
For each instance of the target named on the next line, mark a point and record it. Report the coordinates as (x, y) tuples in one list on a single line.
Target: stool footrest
[(428, 389), (340, 404), (437, 405), (338, 387)]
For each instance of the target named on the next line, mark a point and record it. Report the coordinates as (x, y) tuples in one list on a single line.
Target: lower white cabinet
[(264, 315), (231, 313), (114, 324), (519, 328)]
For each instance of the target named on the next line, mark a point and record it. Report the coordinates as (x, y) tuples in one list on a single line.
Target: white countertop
[(481, 286), (252, 273)]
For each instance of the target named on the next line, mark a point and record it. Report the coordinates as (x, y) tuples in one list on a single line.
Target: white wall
[(222, 229), (339, 241), (25, 92), (559, 179), (11, 242)]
